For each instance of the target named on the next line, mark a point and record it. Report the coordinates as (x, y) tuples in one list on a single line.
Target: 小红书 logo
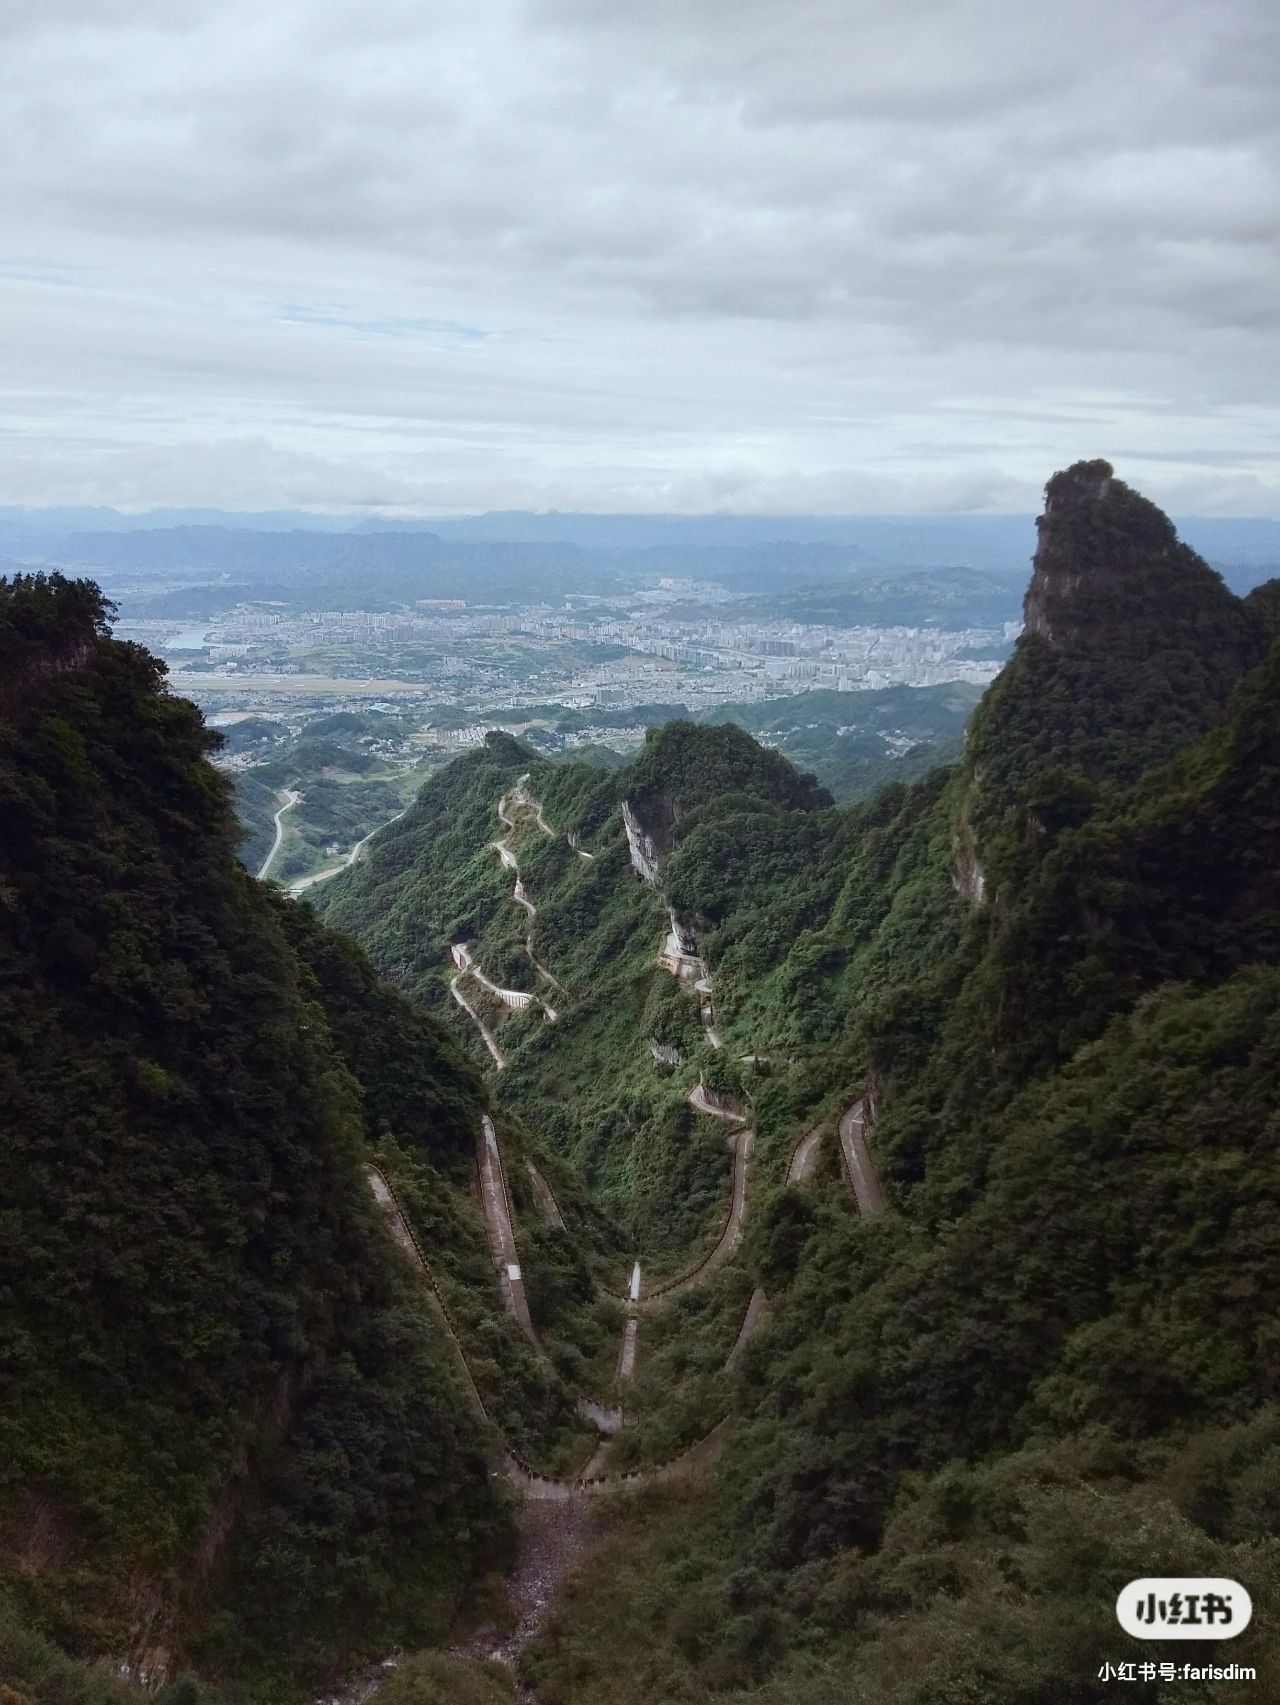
[(1184, 1607)]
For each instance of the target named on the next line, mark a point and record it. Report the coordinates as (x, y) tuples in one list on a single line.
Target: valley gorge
[(649, 1236)]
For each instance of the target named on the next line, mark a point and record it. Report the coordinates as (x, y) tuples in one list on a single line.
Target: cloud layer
[(835, 255)]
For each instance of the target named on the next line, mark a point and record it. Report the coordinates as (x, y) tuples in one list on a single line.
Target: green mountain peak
[(1131, 650), (889, 1193)]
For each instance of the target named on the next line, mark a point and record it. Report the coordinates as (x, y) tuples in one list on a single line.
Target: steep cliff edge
[(1132, 645), (227, 1434), (685, 773)]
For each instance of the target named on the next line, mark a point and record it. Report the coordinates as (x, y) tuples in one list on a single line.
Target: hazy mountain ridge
[(343, 570), (981, 557), (925, 539)]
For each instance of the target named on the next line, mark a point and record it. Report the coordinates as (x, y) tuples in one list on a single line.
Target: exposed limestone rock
[(664, 1053), (967, 875), (644, 853), (1057, 577)]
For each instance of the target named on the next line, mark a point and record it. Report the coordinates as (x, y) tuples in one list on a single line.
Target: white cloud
[(838, 254)]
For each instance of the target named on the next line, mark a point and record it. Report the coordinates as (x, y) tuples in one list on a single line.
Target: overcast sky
[(758, 255)]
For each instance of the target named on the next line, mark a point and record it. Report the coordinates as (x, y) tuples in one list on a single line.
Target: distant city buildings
[(669, 642)]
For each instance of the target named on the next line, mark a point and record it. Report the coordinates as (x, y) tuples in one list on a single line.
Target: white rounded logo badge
[(1184, 1607)]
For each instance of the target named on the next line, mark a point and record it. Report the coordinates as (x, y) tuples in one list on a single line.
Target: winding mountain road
[(305, 882), (700, 1097), (290, 800), (529, 1479), (515, 999), (535, 1485), (486, 1035), (857, 1159), (741, 1142), (856, 1163), (499, 1219), (520, 793), (546, 1201), (519, 893), (804, 1156), (595, 1478), (687, 966), (502, 1235), (495, 1199)]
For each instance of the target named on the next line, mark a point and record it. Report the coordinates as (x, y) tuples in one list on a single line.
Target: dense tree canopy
[(1051, 1366), (208, 1349)]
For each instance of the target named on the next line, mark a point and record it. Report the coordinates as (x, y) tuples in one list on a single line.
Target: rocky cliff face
[(1103, 551), (968, 878), (641, 844), (1132, 646), (1059, 573)]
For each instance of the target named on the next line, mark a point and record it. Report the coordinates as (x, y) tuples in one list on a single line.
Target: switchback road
[(857, 1160), (290, 800), (486, 1034), (519, 893), (804, 1156), (502, 1236)]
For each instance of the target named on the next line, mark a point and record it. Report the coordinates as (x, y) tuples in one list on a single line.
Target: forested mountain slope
[(230, 1436), (1050, 1365), (915, 1161), (858, 742), (585, 1079)]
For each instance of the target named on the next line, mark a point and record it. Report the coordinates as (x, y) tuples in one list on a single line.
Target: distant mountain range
[(739, 550)]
